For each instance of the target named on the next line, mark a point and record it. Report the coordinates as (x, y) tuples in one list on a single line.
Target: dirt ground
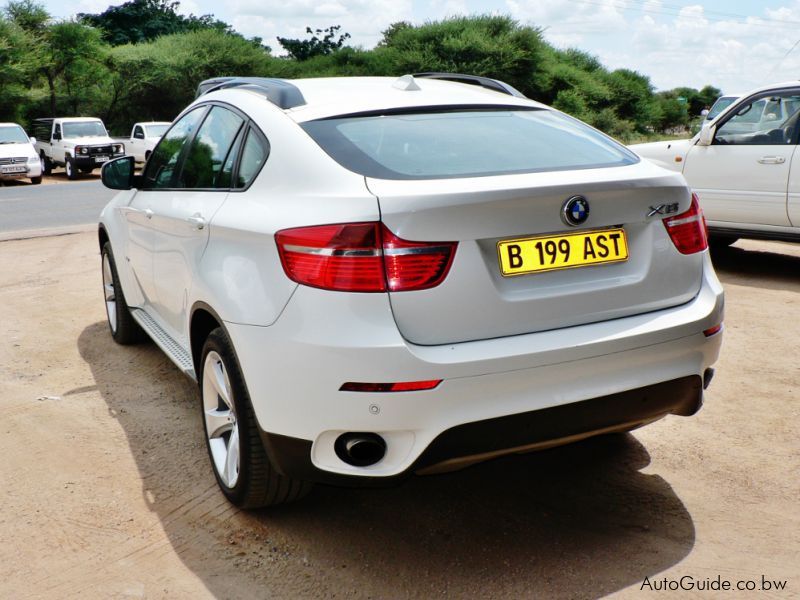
[(107, 491)]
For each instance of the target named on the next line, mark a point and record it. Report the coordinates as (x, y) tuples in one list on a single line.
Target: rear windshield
[(464, 143), (156, 130)]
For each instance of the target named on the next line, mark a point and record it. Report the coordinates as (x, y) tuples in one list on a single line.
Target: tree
[(145, 20), (20, 60), (316, 46)]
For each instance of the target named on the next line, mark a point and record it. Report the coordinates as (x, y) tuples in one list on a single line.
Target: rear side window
[(254, 155), (203, 166), (464, 143)]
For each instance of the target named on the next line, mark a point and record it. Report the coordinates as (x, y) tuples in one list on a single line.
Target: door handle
[(197, 220), (772, 160), (148, 212)]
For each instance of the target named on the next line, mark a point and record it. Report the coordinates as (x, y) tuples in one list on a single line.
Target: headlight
[(32, 160), (82, 150), (118, 148)]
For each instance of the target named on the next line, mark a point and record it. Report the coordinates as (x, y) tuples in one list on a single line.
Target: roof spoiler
[(485, 82), (278, 91)]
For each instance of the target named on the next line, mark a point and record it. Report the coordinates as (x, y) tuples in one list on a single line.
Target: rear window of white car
[(451, 143)]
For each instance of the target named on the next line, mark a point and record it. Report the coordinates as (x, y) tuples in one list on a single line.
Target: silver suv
[(372, 277)]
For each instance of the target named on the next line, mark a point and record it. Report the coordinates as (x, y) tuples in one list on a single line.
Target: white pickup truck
[(144, 137), (79, 144)]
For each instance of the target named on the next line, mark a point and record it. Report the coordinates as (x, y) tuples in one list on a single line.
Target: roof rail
[(278, 91), (484, 82)]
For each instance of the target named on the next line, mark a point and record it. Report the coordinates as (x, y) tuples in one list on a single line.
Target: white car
[(79, 144), (372, 277), (18, 157), (144, 137), (744, 166)]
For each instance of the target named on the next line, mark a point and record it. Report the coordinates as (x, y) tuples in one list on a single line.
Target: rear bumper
[(295, 367), (482, 440)]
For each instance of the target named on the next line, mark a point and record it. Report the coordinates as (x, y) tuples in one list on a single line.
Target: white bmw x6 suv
[(372, 277)]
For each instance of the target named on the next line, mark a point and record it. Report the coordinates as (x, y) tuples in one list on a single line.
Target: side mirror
[(118, 174), (706, 134), (56, 136), (33, 140)]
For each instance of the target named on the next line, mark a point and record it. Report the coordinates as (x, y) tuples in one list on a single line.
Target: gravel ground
[(108, 493)]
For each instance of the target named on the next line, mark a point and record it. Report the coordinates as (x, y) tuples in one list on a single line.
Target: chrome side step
[(176, 351)]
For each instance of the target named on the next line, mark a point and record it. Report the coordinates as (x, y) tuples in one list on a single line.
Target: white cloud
[(686, 46), (362, 19)]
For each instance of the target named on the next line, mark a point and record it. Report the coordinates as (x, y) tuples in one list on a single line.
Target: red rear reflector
[(688, 230), (403, 386), (362, 257), (712, 330)]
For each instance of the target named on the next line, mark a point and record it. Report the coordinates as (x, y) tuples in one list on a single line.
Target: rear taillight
[(688, 230), (362, 257)]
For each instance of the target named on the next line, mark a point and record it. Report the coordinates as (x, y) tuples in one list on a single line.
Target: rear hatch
[(482, 176), (476, 301)]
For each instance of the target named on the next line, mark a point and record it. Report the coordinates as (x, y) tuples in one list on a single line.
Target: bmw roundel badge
[(575, 211)]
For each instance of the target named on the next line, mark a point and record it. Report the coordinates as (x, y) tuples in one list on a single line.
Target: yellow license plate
[(552, 252)]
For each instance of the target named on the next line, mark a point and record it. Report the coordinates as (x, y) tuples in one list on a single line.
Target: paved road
[(57, 205)]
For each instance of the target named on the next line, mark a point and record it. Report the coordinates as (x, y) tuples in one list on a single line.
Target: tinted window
[(138, 133), (225, 178), (203, 164), (254, 155), (164, 159), (464, 143)]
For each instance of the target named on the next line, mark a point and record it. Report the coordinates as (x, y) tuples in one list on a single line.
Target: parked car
[(79, 144), (144, 137), (18, 158), (372, 277), (743, 166)]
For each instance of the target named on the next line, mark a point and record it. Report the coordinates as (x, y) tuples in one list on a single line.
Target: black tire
[(257, 482), (86, 170), (47, 166), (124, 329), (36, 180), (69, 167)]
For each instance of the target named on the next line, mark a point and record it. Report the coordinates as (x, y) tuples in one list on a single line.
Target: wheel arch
[(203, 320), (102, 236)]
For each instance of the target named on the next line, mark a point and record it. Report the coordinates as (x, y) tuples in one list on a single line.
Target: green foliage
[(141, 60), (491, 46), (316, 46), (156, 80), (144, 20), (29, 15), (20, 60)]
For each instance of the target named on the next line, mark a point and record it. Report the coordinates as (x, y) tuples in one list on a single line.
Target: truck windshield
[(78, 129), (13, 134), (156, 130), (455, 142)]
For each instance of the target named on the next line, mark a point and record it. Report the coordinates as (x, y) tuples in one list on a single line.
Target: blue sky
[(733, 44)]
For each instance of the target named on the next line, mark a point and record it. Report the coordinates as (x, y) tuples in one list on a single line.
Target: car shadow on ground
[(745, 266), (575, 522)]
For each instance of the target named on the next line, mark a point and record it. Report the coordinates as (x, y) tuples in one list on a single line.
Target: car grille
[(100, 149), (16, 160)]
